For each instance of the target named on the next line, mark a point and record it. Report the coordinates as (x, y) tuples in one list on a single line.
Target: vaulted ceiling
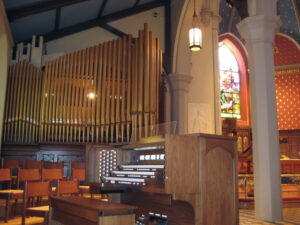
[(288, 10), (56, 18)]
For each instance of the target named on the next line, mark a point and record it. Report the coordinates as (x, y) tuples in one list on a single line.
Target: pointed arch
[(240, 53)]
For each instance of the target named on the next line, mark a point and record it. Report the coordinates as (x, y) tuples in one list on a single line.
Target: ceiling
[(288, 10), (56, 18)]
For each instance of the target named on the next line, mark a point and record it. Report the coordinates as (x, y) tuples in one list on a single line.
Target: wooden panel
[(178, 212), (117, 220), (218, 193), (180, 175)]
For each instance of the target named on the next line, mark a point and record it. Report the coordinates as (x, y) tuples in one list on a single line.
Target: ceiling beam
[(137, 3), (232, 14), (57, 19), (297, 12), (132, 11), (102, 21), (113, 30), (38, 8), (102, 8)]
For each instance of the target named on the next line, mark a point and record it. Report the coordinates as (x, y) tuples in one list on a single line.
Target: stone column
[(215, 37), (259, 33), (179, 89)]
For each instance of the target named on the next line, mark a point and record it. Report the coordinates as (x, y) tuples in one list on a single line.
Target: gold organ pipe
[(103, 93), (118, 86), (99, 87), (108, 92), (129, 86)]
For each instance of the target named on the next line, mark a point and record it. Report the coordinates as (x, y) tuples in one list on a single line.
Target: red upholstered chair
[(14, 165), (28, 175), (35, 190), (52, 175), (10, 163), (53, 165), (78, 165), (79, 175), (32, 164), (67, 187)]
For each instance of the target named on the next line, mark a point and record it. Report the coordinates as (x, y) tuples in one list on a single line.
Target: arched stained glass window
[(230, 84)]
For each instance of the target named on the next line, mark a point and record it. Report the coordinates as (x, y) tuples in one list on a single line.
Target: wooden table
[(77, 211), (9, 195)]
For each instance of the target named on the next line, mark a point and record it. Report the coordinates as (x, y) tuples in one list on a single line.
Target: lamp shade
[(195, 35)]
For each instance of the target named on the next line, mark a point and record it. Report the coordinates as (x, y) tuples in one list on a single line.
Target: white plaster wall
[(97, 35), (202, 85), (6, 42), (132, 24), (78, 41), (199, 65), (4, 56)]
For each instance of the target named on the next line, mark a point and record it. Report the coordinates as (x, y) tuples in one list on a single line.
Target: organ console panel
[(187, 179)]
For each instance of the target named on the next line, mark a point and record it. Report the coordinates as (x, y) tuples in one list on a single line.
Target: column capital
[(260, 28), (179, 82)]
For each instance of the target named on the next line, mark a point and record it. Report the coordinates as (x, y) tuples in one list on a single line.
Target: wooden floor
[(291, 217)]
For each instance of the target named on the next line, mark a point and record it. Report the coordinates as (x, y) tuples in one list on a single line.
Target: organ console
[(188, 179)]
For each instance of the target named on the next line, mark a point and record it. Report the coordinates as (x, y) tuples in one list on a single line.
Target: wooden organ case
[(186, 180)]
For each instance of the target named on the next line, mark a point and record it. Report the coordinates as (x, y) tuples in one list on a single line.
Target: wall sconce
[(195, 33)]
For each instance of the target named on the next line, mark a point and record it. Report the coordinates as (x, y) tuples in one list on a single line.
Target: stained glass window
[(230, 84)]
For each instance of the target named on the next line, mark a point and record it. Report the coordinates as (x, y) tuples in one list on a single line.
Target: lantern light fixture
[(195, 33)]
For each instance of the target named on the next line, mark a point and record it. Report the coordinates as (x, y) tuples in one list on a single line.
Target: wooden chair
[(14, 165), (67, 187), (53, 165), (28, 175), (10, 163), (77, 165), (36, 190), (79, 175), (32, 164), (8, 194), (52, 175)]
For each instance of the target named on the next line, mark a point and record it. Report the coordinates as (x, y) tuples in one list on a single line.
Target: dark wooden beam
[(113, 30), (57, 19), (102, 8), (100, 21), (137, 3), (296, 7), (232, 13), (38, 8), (132, 11)]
